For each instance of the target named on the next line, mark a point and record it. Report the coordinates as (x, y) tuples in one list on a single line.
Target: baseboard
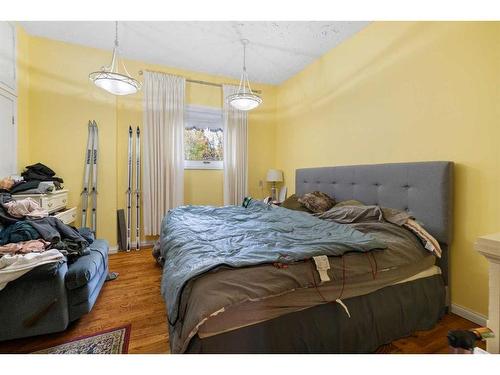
[(468, 314), (115, 249)]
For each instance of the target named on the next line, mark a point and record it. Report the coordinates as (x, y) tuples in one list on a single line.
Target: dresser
[(55, 203)]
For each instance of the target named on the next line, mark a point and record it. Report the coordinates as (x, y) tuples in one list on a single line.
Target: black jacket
[(40, 172)]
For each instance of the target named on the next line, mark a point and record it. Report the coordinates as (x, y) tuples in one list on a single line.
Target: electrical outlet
[(261, 184)]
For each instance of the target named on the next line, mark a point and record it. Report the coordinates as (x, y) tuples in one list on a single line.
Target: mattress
[(253, 312), (375, 319)]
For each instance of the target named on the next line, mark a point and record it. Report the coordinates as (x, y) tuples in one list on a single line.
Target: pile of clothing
[(36, 179), (30, 237)]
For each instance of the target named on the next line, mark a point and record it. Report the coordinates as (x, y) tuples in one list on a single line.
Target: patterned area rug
[(112, 341)]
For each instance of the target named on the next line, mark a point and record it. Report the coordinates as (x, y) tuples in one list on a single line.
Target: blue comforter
[(196, 239)]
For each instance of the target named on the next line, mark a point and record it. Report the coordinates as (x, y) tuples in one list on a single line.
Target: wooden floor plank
[(134, 298)]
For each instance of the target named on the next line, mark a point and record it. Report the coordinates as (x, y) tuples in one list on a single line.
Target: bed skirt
[(376, 319)]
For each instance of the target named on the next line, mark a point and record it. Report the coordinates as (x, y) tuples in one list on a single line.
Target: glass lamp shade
[(115, 83), (244, 101)]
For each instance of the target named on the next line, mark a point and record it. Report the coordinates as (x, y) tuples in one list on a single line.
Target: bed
[(285, 308)]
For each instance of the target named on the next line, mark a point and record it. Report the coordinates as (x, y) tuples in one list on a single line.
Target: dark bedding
[(376, 319)]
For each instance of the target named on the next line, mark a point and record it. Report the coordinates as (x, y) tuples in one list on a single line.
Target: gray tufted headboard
[(424, 189)]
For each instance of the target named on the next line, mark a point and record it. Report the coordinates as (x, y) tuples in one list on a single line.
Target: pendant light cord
[(115, 51), (244, 81), (115, 62), (244, 41), (116, 33)]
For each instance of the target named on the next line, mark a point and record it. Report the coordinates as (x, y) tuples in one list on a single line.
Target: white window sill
[(190, 164)]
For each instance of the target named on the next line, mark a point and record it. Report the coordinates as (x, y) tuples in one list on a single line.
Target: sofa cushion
[(88, 266), (87, 295)]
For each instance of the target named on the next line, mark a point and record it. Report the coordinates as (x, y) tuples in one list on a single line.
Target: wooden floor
[(134, 298)]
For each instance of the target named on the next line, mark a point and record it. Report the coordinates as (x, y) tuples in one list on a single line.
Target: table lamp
[(273, 176)]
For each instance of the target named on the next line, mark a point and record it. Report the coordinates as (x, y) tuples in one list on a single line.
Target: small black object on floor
[(112, 276)]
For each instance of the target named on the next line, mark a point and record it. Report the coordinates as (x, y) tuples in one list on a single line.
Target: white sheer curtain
[(235, 150), (163, 147)]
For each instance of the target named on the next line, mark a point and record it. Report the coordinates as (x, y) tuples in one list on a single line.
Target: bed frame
[(423, 189)]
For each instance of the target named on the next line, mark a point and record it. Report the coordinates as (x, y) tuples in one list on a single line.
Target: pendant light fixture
[(244, 99), (109, 79)]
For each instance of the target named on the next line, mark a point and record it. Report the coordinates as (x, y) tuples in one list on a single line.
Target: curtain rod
[(198, 81)]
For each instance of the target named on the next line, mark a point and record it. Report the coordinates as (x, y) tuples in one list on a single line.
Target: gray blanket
[(196, 239), (349, 214)]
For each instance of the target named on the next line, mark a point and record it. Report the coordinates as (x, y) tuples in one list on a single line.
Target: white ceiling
[(277, 50)]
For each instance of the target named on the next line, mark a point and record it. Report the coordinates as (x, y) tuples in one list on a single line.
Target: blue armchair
[(48, 298)]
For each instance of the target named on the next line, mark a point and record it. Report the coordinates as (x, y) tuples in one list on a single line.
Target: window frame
[(203, 164), (206, 117)]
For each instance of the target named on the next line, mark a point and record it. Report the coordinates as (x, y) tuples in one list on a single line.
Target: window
[(203, 138)]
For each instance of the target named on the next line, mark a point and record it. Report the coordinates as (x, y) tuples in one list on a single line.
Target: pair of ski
[(90, 173), (137, 191)]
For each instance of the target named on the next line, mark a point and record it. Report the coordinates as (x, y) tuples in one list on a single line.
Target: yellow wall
[(404, 91), (60, 100)]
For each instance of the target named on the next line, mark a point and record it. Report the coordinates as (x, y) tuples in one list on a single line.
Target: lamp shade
[(274, 175), (244, 101), (115, 83)]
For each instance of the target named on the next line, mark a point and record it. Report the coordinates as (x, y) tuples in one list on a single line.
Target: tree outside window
[(203, 138), (203, 144)]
